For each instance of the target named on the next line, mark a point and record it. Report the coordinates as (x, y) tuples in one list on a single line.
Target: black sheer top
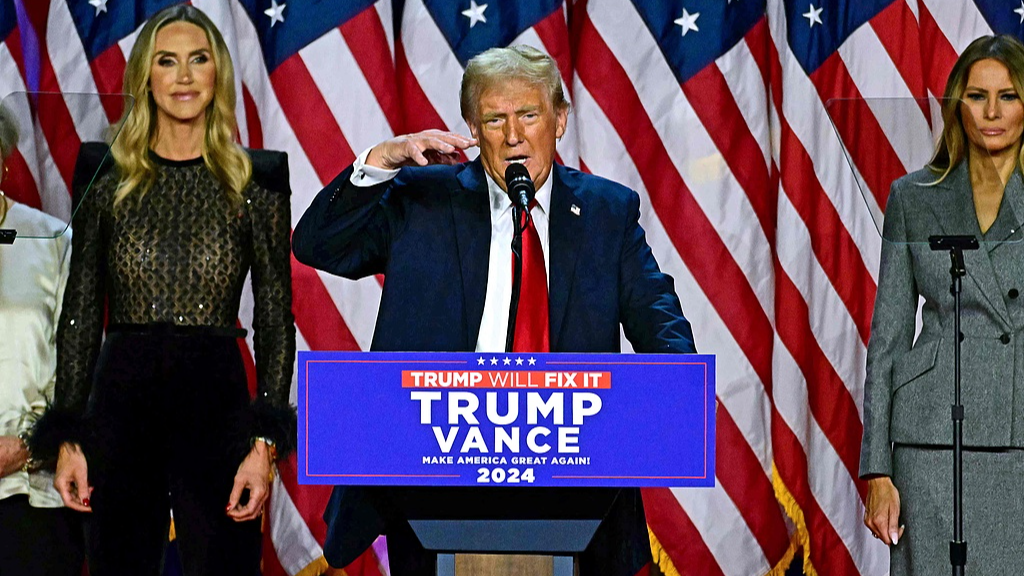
[(178, 254)]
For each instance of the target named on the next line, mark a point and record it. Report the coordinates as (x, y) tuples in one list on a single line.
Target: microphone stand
[(517, 270), (956, 246)]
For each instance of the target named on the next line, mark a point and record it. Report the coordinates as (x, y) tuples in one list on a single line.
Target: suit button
[(1013, 293), (1005, 338)]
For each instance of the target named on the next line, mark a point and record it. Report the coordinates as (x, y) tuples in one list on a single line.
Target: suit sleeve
[(652, 317), (892, 335), (347, 229)]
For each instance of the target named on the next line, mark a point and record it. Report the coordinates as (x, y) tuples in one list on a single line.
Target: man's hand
[(420, 149), (882, 512), (13, 455), (72, 478)]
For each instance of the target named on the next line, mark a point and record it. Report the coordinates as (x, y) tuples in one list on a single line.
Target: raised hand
[(420, 149)]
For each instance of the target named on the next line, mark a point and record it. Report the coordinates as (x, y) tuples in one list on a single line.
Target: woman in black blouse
[(158, 416)]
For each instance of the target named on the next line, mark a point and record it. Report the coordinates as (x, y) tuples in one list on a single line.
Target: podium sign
[(473, 419)]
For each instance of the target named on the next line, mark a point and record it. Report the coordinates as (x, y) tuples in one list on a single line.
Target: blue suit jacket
[(428, 232)]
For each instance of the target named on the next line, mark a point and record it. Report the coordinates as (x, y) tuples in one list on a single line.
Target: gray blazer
[(909, 387)]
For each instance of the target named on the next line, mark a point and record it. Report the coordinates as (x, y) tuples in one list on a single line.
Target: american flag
[(715, 111)]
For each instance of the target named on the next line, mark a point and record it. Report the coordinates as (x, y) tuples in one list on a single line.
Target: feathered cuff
[(279, 424), (53, 428)]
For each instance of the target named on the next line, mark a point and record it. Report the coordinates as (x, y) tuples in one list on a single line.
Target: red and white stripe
[(301, 108), (748, 201), (695, 190), (828, 245)]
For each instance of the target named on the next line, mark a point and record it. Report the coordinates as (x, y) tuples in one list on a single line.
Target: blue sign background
[(359, 426)]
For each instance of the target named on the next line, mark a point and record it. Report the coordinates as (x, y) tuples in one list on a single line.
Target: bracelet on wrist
[(23, 437)]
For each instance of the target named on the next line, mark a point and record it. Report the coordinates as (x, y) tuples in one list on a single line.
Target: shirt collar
[(500, 202)]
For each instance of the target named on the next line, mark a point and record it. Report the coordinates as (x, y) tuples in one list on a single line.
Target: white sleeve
[(366, 176)]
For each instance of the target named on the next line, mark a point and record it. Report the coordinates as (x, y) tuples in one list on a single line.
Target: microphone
[(519, 185)]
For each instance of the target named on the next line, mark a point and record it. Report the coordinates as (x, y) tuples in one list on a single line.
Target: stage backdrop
[(713, 110)]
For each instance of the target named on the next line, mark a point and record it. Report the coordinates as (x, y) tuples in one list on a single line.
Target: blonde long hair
[(221, 154), (952, 147)]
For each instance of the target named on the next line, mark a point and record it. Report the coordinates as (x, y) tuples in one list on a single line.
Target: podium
[(479, 457), (517, 521)]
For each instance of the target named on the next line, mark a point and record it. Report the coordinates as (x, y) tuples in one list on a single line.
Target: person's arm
[(14, 453), (273, 322), (57, 436), (270, 422), (892, 334), (652, 317), (80, 324), (347, 229)]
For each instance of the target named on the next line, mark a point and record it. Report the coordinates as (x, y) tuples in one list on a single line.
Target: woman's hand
[(13, 454), (882, 513), (254, 474), (72, 478)]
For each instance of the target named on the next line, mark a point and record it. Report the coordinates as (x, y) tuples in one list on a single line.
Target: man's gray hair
[(499, 65), (8, 133)]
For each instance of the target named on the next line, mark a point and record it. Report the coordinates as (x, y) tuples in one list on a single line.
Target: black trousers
[(39, 541), (164, 411)]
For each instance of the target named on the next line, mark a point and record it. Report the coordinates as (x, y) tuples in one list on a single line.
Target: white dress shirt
[(33, 273), (494, 324)]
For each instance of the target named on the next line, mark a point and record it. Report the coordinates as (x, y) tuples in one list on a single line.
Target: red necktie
[(532, 317)]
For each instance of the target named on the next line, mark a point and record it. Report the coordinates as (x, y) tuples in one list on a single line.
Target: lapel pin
[(575, 209)]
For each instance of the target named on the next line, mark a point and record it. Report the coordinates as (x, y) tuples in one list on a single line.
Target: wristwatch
[(265, 440), (271, 451)]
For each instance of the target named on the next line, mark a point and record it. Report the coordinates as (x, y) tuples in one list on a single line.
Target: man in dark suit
[(440, 231)]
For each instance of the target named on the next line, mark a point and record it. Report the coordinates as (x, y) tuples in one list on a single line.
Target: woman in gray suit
[(973, 187)]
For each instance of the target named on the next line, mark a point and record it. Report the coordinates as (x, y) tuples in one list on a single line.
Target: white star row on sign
[(99, 5), (475, 13), (813, 16), (688, 21), (506, 361), (276, 12), (1020, 11)]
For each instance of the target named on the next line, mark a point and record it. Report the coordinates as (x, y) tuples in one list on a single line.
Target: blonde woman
[(158, 416), (972, 187)]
